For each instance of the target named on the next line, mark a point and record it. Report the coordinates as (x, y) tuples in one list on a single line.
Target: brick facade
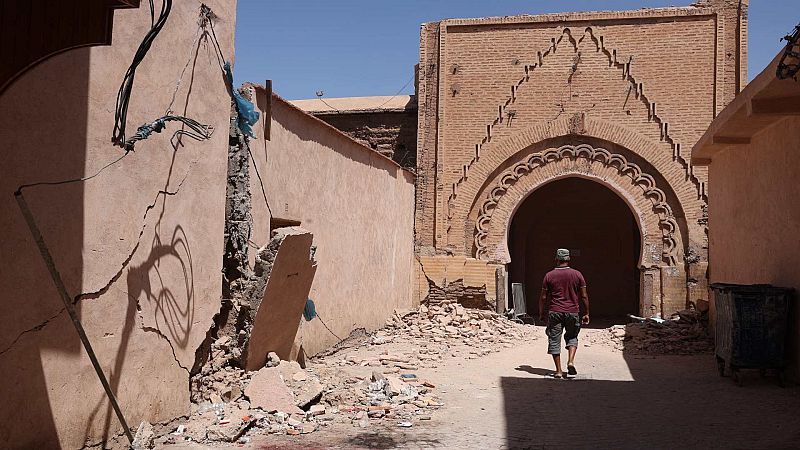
[(385, 124), (507, 104), (391, 133)]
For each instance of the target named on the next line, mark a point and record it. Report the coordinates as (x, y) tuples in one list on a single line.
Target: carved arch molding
[(644, 183)]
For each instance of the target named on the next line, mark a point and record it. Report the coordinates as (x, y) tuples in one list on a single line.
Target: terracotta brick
[(643, 85)]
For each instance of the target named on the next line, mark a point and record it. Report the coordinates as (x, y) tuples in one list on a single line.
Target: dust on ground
[(450, 377)]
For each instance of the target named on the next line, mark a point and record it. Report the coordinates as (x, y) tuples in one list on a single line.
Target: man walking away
[(560, 308)]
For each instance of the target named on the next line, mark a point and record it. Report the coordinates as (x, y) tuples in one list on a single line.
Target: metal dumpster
[(751, 328)]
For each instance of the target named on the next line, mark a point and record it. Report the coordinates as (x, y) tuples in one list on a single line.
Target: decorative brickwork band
[(645, 182), (577, 125)]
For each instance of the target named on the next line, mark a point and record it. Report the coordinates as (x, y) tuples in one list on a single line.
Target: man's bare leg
[(571, 361), (571, 351), (557, 361)]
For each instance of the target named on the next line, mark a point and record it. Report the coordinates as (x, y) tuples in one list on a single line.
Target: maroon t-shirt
[(563, 285)]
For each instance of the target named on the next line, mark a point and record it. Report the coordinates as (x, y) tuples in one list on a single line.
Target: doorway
[(598, 228)]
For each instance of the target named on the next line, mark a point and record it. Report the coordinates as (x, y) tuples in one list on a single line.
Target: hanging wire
[(328, 105), (74, 180), (124, 93), (789, 65), (328, 328), (319, 96), (397, 93), (220, 57), (260, 181), (196, 130)]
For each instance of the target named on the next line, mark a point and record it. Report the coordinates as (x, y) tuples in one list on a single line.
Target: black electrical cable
[(327, 328), (124, 93), (199, 131)]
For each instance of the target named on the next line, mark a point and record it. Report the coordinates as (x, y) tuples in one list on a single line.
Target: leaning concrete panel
[(278, 317)]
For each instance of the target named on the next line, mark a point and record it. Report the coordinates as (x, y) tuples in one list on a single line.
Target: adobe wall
[(754, 213), (392, 133), (644, 84), (358, 204), (139, 246)]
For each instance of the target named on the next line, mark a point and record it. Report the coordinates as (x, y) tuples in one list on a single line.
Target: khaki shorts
[(558, 322)]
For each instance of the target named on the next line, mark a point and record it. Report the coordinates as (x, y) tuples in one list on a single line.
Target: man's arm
[(542, 302), (585, 304)]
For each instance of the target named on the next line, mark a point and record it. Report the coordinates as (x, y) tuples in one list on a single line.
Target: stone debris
[(465, 331), (268, 391), (366, 379), (144, 438), (219, 379), (684, 333)]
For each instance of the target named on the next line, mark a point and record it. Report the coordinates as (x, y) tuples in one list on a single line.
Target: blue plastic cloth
[(248, 116), (310, 311)]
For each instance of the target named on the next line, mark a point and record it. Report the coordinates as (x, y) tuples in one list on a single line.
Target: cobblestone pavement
[(506, 400)]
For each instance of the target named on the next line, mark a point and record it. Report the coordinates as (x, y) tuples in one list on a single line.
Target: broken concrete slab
[(279, 313), (268, 391), (144, 437), (395, 384), (307, 392)]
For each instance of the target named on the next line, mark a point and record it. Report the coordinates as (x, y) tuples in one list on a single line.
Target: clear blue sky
[(369, 47)]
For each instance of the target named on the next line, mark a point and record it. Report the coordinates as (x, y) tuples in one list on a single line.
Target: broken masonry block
[(277, 318)]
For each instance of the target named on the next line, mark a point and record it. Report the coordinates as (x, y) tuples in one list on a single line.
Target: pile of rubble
[(451, 323), (684, 333), (366, 380)]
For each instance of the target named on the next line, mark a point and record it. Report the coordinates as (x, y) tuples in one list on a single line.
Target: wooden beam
[(778, 106), (701, 161), (268, 110), (731, 140)]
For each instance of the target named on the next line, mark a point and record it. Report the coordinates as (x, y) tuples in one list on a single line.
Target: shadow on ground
[(668, 402)]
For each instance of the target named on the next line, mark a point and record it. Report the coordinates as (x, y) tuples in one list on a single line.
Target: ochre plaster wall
[(754, 231), (139, 246), (358, 204)]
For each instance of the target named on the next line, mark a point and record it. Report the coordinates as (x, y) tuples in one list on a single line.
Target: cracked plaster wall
[(753, 217), (141, 241)]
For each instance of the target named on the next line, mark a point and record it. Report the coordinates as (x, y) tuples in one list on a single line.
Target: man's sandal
[(571, 370)]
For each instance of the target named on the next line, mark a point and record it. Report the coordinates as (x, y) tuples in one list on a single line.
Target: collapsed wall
[(274, 298), (257, 324)]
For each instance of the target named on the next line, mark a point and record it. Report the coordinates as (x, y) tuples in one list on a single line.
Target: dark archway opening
[(599, 229)]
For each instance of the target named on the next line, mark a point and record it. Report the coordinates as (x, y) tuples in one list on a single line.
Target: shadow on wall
[(659, 402), (173, 310), (35, 326), (30, 300)]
